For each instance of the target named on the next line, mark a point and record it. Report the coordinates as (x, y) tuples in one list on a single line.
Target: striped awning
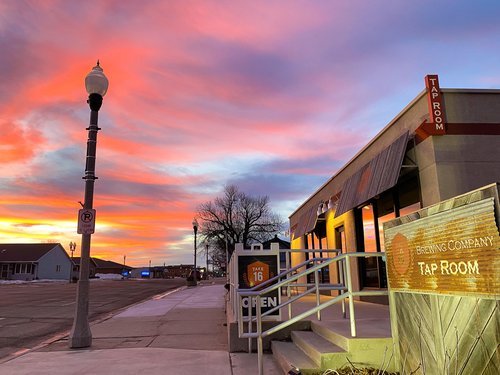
[(377, 176)]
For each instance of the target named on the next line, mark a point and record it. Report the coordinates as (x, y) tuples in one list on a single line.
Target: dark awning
[(306, 222), (377, 176)]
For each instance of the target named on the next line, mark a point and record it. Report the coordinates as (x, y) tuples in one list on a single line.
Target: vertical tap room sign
[(436, 108)]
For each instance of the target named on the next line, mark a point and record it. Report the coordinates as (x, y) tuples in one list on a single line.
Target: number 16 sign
[(257, 273), (254, 270)]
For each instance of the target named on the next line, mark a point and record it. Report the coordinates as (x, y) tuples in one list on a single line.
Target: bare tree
[(237, 218)]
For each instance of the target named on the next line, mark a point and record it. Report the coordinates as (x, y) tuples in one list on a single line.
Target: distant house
[(34, 261), (107, 266), (141, 272), (181, 270), (283, 245), (76, 267), (164, 272)]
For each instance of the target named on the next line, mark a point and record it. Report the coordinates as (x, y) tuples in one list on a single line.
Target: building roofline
[(473, 91), (384, 129)]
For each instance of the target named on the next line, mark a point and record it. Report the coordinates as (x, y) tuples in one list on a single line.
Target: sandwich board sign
[(256, 266)]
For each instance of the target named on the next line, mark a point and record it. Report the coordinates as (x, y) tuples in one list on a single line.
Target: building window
[(386, 210), (408, 197), (58, 268), (369, 266), (315, 242), (369, 233), (323, 243), (370, 218), (409, 209)]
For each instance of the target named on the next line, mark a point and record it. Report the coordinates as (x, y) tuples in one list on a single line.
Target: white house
[(34, 261)]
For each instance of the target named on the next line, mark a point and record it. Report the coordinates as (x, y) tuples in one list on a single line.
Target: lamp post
[(195, 229), (207, 260), (96, 84), (72, 248), (227, 260)]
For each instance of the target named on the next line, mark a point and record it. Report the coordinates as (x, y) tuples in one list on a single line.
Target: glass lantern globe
[(96, 82)]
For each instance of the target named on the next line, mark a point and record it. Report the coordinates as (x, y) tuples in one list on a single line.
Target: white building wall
[(48, 264)]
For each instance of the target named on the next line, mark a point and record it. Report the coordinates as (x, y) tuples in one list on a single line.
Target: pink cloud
[(18, 143), (202, 93)]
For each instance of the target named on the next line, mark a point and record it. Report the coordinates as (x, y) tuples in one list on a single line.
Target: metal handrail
[(284, 273), (256, 291), (252, 293), (287, 267)]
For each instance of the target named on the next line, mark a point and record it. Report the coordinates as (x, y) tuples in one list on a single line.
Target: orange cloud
[(272, 97)]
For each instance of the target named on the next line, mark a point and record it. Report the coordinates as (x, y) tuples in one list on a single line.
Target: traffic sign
[(86, 221)]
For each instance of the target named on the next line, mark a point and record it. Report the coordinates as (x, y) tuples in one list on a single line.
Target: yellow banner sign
[(451, 252)]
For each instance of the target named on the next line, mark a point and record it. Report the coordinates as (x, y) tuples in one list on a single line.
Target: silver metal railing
[(296, 284), (290, 276)]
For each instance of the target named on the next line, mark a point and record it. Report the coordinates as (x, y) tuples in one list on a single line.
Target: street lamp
[(207, 260), (96, 84), (72, 248), (227, 259), (195, 229)]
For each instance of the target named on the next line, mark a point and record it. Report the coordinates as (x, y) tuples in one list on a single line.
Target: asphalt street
[(31, 313), (179, 332)]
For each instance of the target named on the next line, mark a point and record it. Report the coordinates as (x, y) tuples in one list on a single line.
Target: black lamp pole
[(207, 260), (195, 228), (96, 84)]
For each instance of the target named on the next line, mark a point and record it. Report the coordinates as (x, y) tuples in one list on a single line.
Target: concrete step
[(372, 347), (365, 328), (329, 333), (316, 347), (289, 356)]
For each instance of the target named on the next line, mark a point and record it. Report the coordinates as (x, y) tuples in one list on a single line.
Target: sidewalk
[(179, 332)]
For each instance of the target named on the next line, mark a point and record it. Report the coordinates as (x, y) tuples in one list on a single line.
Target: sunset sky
[(273, 96)]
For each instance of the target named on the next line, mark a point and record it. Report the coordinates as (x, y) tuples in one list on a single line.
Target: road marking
[(160, 296), (21, 352)]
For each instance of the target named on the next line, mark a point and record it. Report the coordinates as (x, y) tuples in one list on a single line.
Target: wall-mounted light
[(320, 209)]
